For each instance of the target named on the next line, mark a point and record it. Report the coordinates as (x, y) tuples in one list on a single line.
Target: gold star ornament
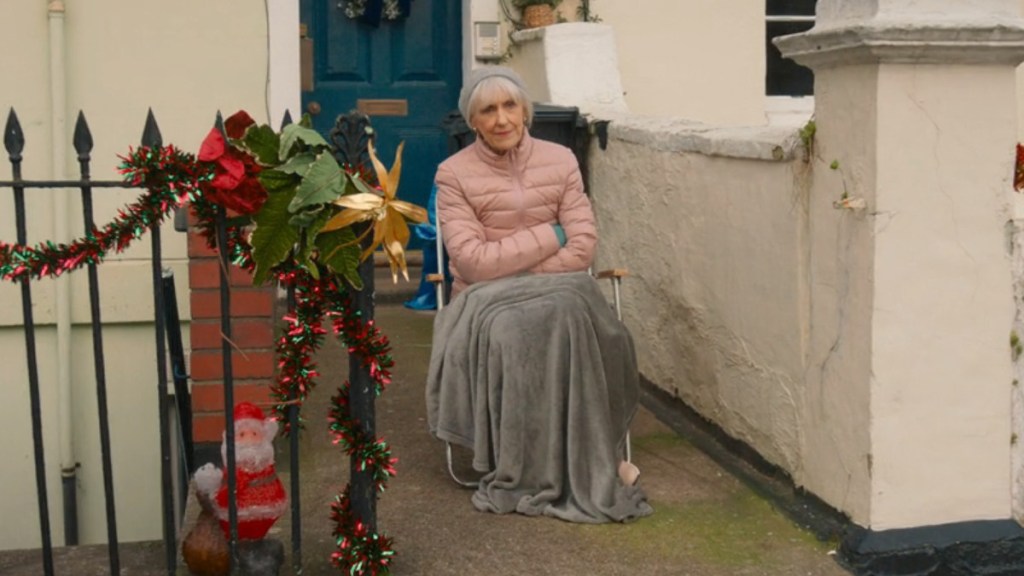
[(385, 212)]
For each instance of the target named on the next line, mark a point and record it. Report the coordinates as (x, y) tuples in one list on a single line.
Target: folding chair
[(615, 275)]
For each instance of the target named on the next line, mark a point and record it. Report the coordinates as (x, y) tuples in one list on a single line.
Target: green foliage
[(807, 134), (274, 236), (277, 181), (1015, 346), (322, 182), (304, 182), (339, 251), (263, 142), (584, 14), (298, 164), (297, 134)]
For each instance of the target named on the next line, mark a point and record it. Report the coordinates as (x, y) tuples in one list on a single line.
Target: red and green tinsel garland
[(361, 552), (170, 177)]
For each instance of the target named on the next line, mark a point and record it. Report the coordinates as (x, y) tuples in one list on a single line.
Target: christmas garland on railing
[(303, 205), (320, 293), (359, 550), (170, 177)]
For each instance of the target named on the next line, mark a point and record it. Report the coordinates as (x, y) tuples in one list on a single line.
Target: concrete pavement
[(707, 521), (714, 514)]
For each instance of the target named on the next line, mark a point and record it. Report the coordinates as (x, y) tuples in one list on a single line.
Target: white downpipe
[(61, 201)]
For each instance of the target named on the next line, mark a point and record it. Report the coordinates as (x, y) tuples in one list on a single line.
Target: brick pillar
[(252, 327)]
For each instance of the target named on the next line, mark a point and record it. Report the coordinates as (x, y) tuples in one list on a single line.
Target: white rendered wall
[(943, 296), (922, 133), (181, 60), (573, 64)]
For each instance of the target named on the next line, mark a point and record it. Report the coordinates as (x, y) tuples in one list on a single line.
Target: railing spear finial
[(14, 138), (82, 138), (151, 133)]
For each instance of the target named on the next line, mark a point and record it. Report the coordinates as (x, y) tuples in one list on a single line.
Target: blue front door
[(404, 73)]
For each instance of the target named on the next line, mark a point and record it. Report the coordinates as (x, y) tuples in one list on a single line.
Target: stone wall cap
[(997, 41), (561, 29), (771, 143)]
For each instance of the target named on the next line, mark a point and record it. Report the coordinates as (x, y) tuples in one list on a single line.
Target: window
[(784, 77)]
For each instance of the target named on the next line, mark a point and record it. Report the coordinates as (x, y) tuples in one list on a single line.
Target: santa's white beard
[(250, 458)]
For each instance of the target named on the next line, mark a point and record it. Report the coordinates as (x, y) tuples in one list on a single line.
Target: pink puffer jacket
[(496, 212)]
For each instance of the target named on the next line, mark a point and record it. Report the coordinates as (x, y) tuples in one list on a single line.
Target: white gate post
[(910, 371)]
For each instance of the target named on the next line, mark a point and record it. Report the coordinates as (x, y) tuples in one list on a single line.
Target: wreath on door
[(373, 11)]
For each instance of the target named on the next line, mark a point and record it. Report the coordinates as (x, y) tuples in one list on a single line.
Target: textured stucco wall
[(185, 60), (713, 245), (863, 350), (839, 287)]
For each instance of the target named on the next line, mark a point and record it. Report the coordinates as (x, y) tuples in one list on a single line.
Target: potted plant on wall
[(537, 13)]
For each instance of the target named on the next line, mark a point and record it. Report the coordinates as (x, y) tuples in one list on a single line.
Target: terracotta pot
[(538, 15), (204, 549)]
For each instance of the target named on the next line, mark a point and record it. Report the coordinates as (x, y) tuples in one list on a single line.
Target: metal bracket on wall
[(601, 129)]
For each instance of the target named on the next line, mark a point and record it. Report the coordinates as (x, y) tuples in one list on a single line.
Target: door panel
[(416, 59)]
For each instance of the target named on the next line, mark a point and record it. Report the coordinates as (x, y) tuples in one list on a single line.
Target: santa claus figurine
[(260, 497)]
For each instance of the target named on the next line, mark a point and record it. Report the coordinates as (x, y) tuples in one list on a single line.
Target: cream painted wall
[(700, 59), (185, 60), (961, 311)]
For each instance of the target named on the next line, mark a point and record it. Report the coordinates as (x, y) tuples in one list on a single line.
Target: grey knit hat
[(479, 75)]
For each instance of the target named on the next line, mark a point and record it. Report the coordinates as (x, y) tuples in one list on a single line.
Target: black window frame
[(783, 77)]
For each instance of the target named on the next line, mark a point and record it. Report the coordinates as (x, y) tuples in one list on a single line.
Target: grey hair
[(493, 86)]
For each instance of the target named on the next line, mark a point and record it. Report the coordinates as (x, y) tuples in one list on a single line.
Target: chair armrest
[(435, 278), (613, 273)]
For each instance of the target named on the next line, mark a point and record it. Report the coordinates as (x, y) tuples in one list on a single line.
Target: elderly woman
[(531, 369)]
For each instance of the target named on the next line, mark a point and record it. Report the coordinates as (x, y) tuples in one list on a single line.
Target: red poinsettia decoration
[(1018, 173), (235, 185)]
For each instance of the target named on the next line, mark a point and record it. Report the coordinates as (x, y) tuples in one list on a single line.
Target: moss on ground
[(662, 440), (740, 531)]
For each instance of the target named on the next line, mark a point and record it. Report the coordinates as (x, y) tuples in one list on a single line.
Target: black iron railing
[(350, 142)]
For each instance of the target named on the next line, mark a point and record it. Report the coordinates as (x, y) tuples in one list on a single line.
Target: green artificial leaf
[(359, 185), (339, 251), (274, 236), (293, 133), (263, 142), (306, 121), (324, 182), (311, 222), (306, 218), (354, 278), (276, 181), (298, 164)]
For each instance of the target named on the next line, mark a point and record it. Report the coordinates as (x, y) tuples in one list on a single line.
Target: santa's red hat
[(248, 411), (249, 416)]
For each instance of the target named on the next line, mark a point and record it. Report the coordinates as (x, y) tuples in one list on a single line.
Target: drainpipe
[(61, 200)]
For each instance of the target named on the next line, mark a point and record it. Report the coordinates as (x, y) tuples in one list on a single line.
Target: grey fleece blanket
[(538, 377)]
